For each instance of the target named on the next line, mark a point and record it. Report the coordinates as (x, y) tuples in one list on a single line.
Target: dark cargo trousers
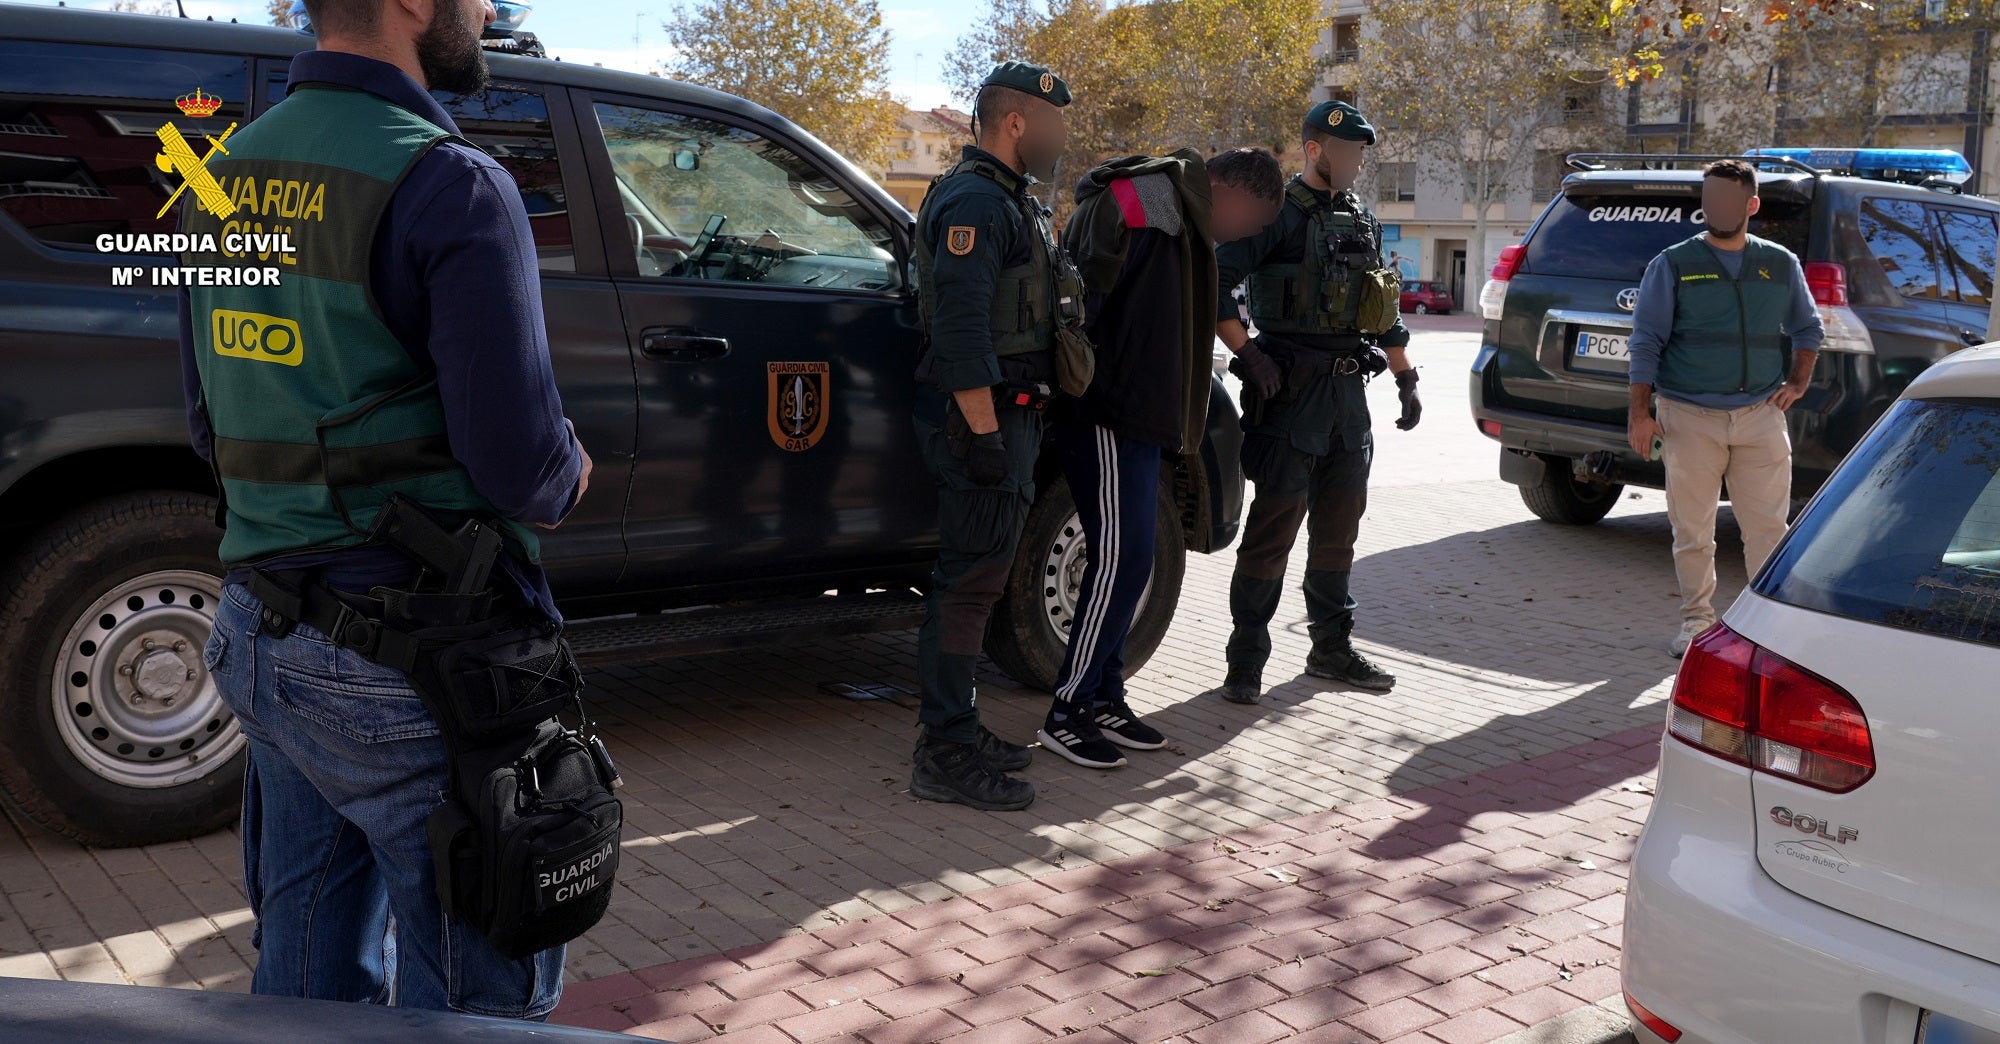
[(1329, 493), (979, 529)]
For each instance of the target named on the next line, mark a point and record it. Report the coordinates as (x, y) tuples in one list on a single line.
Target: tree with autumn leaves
[(823, 64), (1499, 90), (1153, 77)]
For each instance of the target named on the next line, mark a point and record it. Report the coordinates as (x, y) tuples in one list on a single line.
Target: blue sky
[(605, 31)]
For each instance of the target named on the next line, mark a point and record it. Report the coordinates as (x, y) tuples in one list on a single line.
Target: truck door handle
[(681, 346), (1970, 337)]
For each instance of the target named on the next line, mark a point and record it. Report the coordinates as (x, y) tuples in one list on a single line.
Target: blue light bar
[(511, 16), (1880, 164)]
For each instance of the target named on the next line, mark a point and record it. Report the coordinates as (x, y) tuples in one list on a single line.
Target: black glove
[(1259, 370), (986, 460), (1413, 407)]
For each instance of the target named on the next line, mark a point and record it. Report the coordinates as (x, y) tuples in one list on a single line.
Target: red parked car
[(1423, 297)]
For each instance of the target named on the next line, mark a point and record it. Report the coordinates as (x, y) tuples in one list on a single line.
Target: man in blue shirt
[(1724, 337), (346, 762)]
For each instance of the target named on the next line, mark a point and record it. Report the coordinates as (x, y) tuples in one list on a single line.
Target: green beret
[(1029, 79), (1340, 120)]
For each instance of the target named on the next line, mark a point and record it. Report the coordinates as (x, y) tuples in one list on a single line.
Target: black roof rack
[(1660, 160), (514, 41)]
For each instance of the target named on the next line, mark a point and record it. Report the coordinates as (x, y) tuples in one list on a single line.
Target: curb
[(1606, 1022)]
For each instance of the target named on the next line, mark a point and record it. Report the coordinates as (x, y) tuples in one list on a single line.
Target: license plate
[(1611, 347), (1942, 1029)]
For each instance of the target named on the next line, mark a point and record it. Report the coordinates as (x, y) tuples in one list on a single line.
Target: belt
[(352, 622), (1333, 343)]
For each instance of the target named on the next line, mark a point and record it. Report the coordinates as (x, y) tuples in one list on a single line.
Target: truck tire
[(1560, 498), (1029, 633), (111, 731)]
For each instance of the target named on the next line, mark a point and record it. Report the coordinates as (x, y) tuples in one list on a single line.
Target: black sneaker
[(1123, 727), (1080, 741), (1342, 662), (959, 772), (1243, 685), (1002, 755)]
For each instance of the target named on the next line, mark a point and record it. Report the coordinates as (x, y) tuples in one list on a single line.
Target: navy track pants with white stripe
[(1116, 483)]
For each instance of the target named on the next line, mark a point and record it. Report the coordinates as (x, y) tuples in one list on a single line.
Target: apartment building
[(1932, 90)]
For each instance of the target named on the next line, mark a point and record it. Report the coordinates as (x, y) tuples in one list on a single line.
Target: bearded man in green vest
[(1724, 337), (382, 364)]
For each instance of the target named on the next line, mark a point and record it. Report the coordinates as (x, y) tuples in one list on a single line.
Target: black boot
[(1245, 683), (1335, 658), (1002, 755), (959, 772)]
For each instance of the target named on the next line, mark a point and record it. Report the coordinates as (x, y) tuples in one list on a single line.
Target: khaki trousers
[(1750, 449)]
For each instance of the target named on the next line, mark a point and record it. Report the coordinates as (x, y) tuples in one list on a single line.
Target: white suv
[(1822, 865)]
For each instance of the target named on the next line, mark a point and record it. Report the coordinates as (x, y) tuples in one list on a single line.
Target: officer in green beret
[(1325, 304), (995, 297)]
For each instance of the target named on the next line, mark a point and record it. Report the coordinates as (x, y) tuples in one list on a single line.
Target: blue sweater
[(454, 273), (1653, 321)]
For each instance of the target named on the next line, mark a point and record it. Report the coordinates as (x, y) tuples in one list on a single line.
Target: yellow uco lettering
[(254, 335)]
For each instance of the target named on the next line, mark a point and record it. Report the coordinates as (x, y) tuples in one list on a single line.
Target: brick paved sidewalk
[(1459, 913)]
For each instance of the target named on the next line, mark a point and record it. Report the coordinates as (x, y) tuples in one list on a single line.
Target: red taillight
[(1653, 1022), (1827, 281), (1712, 695), (1754, 707), (1809, 730), (1490, 428), (1510, 259)]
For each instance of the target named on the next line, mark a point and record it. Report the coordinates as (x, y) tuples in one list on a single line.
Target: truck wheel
[(1031, 625), (1560, 498), (111, 731)]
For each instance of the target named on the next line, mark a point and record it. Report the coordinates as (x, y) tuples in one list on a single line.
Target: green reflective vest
[(1728, 334), (1341, 285), (1025, 296), (318, 413)]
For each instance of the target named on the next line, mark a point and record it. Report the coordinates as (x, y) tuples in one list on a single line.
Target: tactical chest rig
[(1037, 305), (1341, 287)]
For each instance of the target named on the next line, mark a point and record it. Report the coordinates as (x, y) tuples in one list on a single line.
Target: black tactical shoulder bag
[(526, 842)]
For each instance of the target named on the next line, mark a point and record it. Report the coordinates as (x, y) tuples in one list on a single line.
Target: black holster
[(525, 844)]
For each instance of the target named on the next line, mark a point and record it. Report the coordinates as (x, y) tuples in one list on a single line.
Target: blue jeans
[(345, 769)]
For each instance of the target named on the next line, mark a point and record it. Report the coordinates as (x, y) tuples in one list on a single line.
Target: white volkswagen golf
[(1822, 865)]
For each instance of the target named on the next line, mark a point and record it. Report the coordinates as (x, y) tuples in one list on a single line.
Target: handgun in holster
[(457, 566)]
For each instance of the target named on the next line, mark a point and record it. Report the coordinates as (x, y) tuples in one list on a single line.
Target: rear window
[(1907, 533), (1615, 237)]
